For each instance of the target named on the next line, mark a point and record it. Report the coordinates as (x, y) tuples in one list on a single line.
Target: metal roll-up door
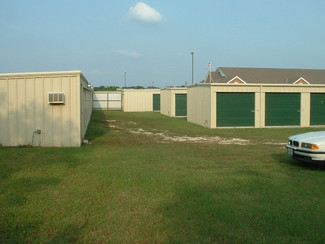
[(317, 109), (282, 109), (156, 102), (235, 109), (180, 104)]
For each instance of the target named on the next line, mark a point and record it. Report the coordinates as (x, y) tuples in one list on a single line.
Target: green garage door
[(180, 104), (235, 109), (317, 109), (156, 102), (282, 109)]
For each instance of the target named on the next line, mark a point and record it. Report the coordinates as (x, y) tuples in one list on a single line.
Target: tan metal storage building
[(174, 101), (140, 100), (48, 109), (274, 97)]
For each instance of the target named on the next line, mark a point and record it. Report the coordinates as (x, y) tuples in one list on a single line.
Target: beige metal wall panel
[(138, 100), (86, 104), (57, 114), (167, 100), (24, 108), (199, 106), (69, 131), (75, 110), (4, 111), (258, 107), (305, 109)]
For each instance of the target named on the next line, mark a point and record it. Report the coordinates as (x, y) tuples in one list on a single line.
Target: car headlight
[(309, 145)]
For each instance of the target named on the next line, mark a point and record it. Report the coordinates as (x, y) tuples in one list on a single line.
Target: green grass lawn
[(148, 178)]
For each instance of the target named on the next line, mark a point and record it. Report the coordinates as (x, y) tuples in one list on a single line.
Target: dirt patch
[(190, 139), (163, 137)]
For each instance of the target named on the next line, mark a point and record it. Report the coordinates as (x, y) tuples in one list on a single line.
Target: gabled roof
[(301, 80), (236, 80), (268, 75)]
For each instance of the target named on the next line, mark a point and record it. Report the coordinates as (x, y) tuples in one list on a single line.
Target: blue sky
[(151, 40)]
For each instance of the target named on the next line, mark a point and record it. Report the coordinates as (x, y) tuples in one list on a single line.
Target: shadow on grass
[(283, 158), (210, 214), (242, 209), (69, 234), (14, 226), (98, 125), (28, 231), (17, 231), (17, 190)]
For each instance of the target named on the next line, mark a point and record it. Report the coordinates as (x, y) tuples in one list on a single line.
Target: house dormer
[(301, 81), (236, 80)]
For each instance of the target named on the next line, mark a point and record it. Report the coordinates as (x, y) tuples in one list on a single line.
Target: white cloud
[(145, 13), (133, 54)]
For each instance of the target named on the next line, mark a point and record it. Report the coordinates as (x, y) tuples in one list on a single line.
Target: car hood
[(310, 137)]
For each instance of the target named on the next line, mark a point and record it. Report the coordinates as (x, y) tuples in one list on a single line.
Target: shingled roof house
[(258, 97), (266, 76)]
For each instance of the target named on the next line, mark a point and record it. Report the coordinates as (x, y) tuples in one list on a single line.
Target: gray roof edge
[(46, 73)]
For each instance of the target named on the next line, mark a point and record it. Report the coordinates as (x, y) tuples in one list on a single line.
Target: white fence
[(107, 100)]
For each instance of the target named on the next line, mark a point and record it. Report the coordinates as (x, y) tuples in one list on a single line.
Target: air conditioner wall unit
[(56, 98)]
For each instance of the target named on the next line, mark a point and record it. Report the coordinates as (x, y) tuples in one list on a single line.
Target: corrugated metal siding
[(180, 104), (165, 102), (199, 105), (87, 105), (138, 100), (235, 109), (317, 109), (282, 109), (24, 108)]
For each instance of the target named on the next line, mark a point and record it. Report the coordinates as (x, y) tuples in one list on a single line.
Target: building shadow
[(98, 125)]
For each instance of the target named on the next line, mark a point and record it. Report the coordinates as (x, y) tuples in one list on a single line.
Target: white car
[(308, 147)]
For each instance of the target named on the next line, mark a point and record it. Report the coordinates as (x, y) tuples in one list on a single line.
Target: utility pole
[(192, 53)]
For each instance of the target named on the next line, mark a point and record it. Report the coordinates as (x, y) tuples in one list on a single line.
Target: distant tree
[(133, 87), (106, 88)]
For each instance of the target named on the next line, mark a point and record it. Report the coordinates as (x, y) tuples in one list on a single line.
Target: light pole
[(192, 53)]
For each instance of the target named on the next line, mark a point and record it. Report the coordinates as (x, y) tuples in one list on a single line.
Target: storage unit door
[(235, 109), (156, 102), (180, 104), (282, 109), (317, 109)]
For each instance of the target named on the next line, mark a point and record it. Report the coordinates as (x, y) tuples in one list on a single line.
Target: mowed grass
[(130, 185)]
